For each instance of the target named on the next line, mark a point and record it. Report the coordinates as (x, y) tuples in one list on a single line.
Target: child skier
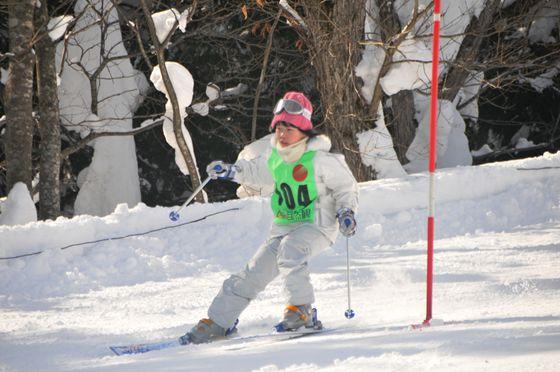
[(312, 190)]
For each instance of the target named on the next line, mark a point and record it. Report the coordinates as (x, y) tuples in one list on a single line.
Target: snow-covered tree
[(372, 112), (98, 92)]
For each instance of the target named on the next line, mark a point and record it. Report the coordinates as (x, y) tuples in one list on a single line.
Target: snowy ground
[(497, 282)]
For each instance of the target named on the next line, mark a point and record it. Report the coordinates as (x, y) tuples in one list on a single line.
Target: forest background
[(107, 102)]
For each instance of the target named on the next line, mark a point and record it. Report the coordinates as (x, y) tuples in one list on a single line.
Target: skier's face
[(287, 135)]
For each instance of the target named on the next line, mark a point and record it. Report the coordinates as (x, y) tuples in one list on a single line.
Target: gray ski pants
[(286, 255)]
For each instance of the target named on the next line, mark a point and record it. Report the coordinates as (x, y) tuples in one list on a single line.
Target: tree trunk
[(49, 127), (334, 32), (19, 94), (402, 123)]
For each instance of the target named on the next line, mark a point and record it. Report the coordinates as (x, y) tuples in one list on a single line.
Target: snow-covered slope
[(497, 281)]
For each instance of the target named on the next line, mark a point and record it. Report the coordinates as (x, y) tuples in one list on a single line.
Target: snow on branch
[(57, 26), (287, 7), (167, 21)]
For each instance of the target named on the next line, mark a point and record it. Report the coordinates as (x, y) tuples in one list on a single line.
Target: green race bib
[(295, 190)]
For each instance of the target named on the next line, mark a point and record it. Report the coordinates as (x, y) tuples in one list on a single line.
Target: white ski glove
[(219, 169), (346, 221)]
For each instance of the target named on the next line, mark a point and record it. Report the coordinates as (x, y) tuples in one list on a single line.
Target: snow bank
[(106, 262), (18, 208), (390, 210), (453, 184)]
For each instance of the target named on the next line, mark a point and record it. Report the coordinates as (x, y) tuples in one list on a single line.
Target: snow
[(524, 143), (372, 56), (165, 21), (57, 26), (543, 81), (368, 70), (97, 195), (456, 16), (545, 20), (452, 144), (377, 151), (468, 93), (496, 282), (183, 85), (506, 3), (521, 134), (213, 93), (4, 74), (411, 68), (484, 150), (18, 208)]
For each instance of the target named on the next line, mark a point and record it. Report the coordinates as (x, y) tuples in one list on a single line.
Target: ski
[(253, 341), (167, 344), (280, 333), (144, 348)]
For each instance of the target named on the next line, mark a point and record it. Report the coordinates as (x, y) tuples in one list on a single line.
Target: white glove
[(219, 169), (346, 221)]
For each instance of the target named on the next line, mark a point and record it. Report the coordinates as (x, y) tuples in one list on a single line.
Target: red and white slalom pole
[(432, 163)]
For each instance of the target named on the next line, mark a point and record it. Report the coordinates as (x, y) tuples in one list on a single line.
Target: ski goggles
[(291, 107)]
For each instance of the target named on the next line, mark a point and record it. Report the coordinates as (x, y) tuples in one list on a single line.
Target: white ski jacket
[(336, 186)]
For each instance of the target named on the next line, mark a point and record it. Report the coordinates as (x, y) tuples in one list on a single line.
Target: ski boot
[(296, 317), (207, 331)]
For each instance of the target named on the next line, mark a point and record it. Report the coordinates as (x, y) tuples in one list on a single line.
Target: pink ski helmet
[(294, 109)]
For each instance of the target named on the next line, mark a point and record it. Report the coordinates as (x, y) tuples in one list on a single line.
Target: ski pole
[(174, 215), (349, 313)]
